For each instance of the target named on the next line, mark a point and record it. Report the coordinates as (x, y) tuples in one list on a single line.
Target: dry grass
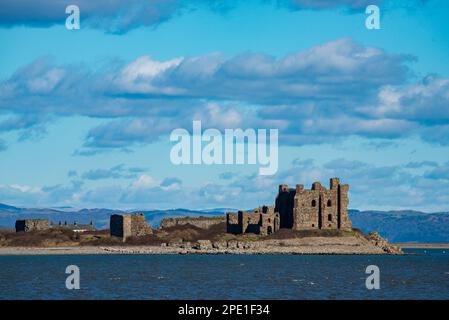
[(46, 238), (180, 233)]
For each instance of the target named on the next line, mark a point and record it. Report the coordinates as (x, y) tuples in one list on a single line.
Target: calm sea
[(421, 276)]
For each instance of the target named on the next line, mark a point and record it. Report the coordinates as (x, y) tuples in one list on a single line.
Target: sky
[(86, 115)]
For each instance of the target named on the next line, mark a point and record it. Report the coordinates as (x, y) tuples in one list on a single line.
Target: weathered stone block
[(129, 225), (27, 225), (199, 222)]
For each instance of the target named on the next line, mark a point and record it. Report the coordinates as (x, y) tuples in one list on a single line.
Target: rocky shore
[(353, 245)]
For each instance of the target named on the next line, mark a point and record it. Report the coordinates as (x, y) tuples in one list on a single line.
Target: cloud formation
[(330, 4), (122, 16), (380, 186), (116, 172), (113, 16), (318, 95), (3, 145), (330, 90)]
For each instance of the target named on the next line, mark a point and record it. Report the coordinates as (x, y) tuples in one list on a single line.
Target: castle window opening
[(329, 217), (329, 203), (313, 203)]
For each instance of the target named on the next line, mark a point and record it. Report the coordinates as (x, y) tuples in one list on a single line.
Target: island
[(301, 221)]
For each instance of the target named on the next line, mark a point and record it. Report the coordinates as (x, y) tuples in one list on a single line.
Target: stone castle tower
[(318, 208), (297, 209)]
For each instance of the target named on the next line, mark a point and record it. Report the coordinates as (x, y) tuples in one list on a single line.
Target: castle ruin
[(199, 222), (129, 225), (263, 221), (297, 209), (27, 225)]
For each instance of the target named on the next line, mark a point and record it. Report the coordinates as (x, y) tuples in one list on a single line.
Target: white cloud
[(144, 181)]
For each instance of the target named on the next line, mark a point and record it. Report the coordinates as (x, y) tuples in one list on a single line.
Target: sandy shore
[(312, 245), (411, 245)]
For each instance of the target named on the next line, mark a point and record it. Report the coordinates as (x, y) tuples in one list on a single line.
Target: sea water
[(424, 274)]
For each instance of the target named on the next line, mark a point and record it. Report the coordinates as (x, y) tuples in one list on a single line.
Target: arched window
[(329, 217), (313, 203), (329, 203)]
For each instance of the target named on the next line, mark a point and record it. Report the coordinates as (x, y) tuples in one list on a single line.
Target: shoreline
[(155, 250), (413, 245), (305, 246)]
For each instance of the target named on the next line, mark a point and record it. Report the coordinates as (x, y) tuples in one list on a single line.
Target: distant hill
[(100, 216), (6, 207), (404, 226), (396, 226)]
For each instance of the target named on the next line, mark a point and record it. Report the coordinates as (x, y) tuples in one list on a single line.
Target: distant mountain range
[(396, 226), (404, 226), (100, 217)]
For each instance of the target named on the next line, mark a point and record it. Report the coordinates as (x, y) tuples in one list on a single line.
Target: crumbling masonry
[(27, 225), (129, 225), (262, 221), (298, 209)]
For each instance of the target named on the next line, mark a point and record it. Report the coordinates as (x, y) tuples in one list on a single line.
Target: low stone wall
[(199, 222)]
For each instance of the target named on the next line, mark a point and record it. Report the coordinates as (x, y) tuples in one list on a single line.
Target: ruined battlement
[(262, 220), (320, 208)]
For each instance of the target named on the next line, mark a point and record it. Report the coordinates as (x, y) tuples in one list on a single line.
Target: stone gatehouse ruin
[(129, 225), (297, 209), (263, 221)]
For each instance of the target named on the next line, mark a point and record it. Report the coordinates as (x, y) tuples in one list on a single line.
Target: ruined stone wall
[(261, 221), (284, 204), (317, 208), (232, 224), (297, 209), (129, 225), (344, 221), (116, 225), (200, 222), (27, 225), (249, 222), (269, 223), (139, 226)]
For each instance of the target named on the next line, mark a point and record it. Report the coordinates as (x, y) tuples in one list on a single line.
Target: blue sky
[(85, 115)]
